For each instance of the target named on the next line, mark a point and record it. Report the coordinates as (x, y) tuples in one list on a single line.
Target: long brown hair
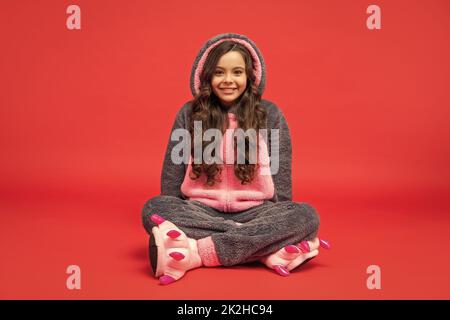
[(207, 108)]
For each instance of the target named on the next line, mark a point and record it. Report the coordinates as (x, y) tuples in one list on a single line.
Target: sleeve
[(283, 178), (172, 174)]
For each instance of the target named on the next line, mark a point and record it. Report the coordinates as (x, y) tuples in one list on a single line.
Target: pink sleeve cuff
[(207, 252)]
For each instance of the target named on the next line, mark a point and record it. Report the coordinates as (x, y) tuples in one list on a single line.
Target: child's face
[(229, 79)]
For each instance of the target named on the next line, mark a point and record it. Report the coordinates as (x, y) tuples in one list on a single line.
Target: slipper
[(171, 252)]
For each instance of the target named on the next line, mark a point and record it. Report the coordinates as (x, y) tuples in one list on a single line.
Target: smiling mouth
[(228, 90)]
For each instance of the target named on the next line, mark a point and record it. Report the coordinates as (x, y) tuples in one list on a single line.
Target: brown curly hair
[(207, 108)]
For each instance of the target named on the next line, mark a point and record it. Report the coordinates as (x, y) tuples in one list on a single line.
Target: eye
[(238, 71), (217, 72)]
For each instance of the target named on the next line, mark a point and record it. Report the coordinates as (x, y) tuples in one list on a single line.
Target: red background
[(86, 115)]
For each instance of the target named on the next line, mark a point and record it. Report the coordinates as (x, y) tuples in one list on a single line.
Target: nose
[(228, 78)]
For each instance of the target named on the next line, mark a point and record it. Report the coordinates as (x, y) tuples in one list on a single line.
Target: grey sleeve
[(283, 178), (172, 175)]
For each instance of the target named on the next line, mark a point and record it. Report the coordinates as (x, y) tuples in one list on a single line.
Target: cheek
[(215, 82), (243, 84)]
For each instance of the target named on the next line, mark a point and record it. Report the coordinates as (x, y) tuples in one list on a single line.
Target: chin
[(227, 100)]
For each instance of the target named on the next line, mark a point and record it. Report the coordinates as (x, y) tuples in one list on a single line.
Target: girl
[(213, 213)]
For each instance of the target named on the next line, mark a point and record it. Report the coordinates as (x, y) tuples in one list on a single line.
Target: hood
[(259, 67)]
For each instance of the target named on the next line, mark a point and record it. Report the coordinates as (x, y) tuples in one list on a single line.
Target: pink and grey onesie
[(234, 223)]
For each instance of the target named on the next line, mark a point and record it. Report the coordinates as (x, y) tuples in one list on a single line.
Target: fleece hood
[(259, 67)]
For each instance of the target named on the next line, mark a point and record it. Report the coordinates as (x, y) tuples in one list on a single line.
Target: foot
[(291, 256), (172, 253)]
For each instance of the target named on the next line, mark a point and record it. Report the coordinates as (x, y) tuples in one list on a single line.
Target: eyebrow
[(232, 69)]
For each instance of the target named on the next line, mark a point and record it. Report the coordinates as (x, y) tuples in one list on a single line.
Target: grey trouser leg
[(266, 228)]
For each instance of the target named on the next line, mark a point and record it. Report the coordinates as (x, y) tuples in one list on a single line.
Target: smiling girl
[(220, 213)]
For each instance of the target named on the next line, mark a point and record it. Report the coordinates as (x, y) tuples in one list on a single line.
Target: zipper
[(226, 207)]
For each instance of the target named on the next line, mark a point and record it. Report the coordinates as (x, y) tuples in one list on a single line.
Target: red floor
[(44, 231)]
